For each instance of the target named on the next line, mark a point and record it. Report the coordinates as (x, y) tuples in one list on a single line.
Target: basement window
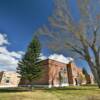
[(7, 80)]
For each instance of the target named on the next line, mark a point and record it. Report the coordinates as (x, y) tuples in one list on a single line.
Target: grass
[(67, 93)]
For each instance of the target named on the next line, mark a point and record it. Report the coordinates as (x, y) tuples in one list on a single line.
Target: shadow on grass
[(13, 90), (74, 88), (25, 89)]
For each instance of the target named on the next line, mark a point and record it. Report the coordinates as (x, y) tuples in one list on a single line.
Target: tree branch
[(76, 49), (95, 36)]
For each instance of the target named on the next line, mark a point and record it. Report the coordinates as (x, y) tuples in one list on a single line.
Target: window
[(65, 69), (65, 80), (7, 80), (62, 75)]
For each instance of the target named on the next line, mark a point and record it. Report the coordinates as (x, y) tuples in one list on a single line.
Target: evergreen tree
[(28, 67)]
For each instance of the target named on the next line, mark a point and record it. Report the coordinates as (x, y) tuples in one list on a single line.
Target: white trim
[(7, 86), (64, 84), (50, 86), (56, 85)]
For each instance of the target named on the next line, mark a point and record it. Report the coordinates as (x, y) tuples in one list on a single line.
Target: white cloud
[(3, 50), (3, 39), (42, 56), (57, 57), (8, 59), (61, 58)]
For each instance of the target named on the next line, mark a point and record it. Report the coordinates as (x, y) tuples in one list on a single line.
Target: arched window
[(63, 76)]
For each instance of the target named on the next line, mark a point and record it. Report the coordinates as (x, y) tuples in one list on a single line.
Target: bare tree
[(80, 35)]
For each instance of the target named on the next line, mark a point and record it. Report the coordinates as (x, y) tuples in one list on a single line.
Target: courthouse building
[(58, 74)]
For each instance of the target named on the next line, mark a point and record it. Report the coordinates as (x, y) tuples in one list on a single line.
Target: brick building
[(58, 74), (9, 79), (55, 73)]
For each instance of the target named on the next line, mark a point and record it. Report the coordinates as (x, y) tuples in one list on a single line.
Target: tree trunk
[(96, 72), (30, 85)]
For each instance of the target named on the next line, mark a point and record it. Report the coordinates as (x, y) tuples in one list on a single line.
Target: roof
[(56, 61)]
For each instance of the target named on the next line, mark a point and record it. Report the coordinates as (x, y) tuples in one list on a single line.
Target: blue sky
[(19, 19)]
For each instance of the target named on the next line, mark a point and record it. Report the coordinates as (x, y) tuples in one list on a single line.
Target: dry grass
[(68, 93)]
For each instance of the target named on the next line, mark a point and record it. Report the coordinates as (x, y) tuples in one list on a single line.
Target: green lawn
[(68, 93)]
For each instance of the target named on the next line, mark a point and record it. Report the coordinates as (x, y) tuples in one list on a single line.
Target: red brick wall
[(50, 75), (54, 69), (70, 75), (51, 72)]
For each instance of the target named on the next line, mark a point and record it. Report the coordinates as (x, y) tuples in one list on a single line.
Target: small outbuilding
[(9, 79)]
